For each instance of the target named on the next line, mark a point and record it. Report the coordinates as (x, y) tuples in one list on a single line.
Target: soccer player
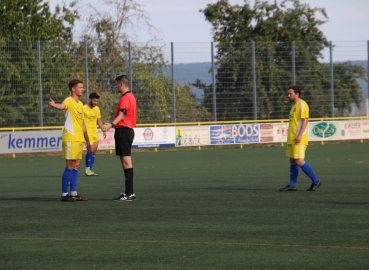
[(124, 122), (92, 118), (73, 137), (297, 141)]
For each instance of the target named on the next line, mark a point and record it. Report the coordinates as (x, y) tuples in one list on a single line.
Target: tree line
[(272, 26)]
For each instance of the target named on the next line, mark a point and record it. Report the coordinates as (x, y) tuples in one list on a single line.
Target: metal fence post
[(130, 66), (367, 46), (173, 84), (213, 80), (254, 79), (86, 69), (331, 77), (40, 83), (293, 64)]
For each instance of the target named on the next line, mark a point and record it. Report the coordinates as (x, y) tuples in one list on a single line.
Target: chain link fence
[(184, 82)]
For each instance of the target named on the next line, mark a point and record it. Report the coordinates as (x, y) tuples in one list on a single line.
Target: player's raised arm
[(59, 106)]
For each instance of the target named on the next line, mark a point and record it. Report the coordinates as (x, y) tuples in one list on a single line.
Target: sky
[(181, 21)]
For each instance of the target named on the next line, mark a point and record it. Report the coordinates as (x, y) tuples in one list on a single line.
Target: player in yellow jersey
[(297, 141), (73, 137), (92, 117)]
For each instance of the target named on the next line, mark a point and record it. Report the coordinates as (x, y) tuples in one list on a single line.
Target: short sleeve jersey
[(298, 112), (90, 117), (127, 104), (73, 127)]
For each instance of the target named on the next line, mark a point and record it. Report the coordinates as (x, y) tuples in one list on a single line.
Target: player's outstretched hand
[(51, 102)]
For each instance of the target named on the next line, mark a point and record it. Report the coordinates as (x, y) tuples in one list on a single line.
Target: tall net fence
[(184, 82)]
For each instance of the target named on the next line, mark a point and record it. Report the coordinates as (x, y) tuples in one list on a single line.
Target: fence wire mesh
[(184, 82)]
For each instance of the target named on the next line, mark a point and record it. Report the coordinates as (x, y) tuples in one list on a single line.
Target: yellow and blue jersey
[(298, 112), (90, 117), (73, 127)]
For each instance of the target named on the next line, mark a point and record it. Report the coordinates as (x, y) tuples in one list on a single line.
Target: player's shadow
[(32, 177), (29, 199), (347, 203), (53, 199), (229, 189)]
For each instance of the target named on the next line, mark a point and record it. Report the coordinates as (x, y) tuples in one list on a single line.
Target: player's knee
[(299, 161), (127, 164)]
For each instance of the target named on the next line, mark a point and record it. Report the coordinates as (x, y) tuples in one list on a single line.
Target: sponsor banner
[(154, 137), (108, 143), (30, 141), (351, 129), (266, 133), (192, 136), (280, 131), (274, 132), (51, 140), (234, 134), (324, 131), (365, 129)]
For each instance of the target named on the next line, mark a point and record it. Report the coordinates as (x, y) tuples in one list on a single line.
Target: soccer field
[(208, 209)]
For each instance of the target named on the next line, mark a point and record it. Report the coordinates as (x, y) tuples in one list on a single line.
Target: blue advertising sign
[(234, 134)]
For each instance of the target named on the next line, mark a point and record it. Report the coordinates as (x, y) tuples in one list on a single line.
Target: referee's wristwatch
[(112, 124)]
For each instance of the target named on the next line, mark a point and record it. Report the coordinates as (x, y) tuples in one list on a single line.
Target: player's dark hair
[(296, 89), (94, 95), (122, 78), (73, 83)]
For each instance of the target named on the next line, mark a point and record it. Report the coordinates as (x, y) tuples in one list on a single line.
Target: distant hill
[(185, 74), (188, 73), (362, 63)]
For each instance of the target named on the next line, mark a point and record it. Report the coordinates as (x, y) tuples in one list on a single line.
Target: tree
[(273, 27), (108, 36), (22, 23), (32, 20)]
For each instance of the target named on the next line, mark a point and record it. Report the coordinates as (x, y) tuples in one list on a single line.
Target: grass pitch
[(208, 209)]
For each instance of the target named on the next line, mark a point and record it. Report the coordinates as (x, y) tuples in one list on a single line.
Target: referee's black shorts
[(123, 137)]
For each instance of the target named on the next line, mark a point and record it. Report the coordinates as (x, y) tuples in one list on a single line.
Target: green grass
[(208, 209)]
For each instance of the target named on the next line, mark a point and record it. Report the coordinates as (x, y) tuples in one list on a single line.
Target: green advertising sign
[(324, 130)]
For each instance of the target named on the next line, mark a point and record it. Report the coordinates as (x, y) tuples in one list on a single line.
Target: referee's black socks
[(128, 173)]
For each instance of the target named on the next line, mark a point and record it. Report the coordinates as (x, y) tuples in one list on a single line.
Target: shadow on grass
[(348, 203), (235, 189), (34, 177), (55, 199), (30, 199)]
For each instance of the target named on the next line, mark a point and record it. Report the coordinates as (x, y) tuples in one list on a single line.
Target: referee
[(124, 122)]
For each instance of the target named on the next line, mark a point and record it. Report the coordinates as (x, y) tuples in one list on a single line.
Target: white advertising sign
[(107, 143), (351, 130), (192, 136), (365, 129), (280, 131), (154, 137), (274, 132), (266, 133)]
